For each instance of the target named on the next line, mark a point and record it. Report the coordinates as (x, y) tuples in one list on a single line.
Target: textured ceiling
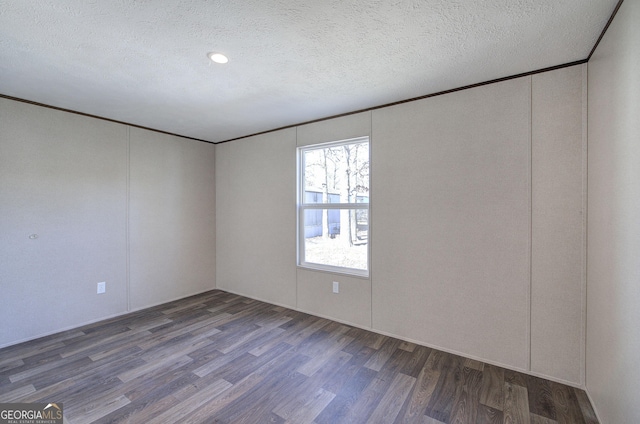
[(144, 62)]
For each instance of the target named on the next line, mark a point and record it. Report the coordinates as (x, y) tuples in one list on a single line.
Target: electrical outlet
[(102, 287), (336, 287)]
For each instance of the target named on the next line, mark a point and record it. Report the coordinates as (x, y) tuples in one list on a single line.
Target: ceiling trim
[(413, 99), (606, 27), (75, 112)]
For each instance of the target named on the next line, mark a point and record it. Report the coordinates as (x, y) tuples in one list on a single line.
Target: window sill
[(349, 272)]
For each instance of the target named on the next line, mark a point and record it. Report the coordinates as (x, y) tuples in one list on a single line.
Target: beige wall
[(65, 177), (256, 217), (171, 218), (451, 223), (315, 289), (256, 224), (613, 273), (558, 223)]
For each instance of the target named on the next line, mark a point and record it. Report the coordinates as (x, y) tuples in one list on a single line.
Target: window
[(333, 206)]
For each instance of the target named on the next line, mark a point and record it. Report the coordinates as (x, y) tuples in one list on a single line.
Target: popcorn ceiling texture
[(144, 62)]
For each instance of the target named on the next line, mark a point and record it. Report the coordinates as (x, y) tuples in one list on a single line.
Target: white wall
[(451, 223), (613, 273), (81, 184)]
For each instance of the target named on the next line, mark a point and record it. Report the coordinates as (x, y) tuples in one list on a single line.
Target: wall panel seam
[(585, 218), (530, 294), (297, 223), (371, 214), (128, 221)]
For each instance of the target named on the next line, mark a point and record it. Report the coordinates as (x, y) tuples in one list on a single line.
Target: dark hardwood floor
[(223, 358)]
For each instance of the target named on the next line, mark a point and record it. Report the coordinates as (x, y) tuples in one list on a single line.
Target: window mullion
[(334, 206)]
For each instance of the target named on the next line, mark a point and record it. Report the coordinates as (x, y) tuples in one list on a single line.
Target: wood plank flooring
[(223, 358)]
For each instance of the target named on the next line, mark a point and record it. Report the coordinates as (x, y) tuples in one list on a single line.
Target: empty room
[(361, 211)]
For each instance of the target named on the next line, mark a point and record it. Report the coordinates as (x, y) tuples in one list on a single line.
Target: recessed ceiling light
[(218, 57)]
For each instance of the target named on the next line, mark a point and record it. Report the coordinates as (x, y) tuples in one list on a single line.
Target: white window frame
[(301, 207)]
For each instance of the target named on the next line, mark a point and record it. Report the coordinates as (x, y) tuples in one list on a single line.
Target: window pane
[(340, 240), (337, 174)]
